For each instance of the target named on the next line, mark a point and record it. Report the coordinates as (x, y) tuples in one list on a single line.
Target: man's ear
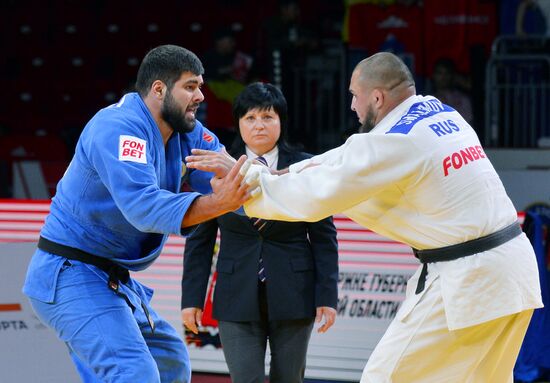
[(158, 89), (378, 97)]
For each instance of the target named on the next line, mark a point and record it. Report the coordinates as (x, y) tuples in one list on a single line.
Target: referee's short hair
[(261, 96)]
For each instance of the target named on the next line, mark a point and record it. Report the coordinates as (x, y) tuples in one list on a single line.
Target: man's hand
[(330, 316), (191, 318), (230, 192), (219, 163)]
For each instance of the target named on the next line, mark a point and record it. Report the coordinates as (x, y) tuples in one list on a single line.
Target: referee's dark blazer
[(300, 259)]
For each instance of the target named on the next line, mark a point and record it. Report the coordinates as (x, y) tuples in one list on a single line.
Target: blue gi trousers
[(110, 341)]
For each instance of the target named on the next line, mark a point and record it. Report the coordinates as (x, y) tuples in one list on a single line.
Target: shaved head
[(378, 84), (384, 70)]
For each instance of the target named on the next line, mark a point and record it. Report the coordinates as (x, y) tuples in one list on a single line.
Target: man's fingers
[(244, 168), (236, 169), (201, 152), (252, 180), (256, 192), (224, 152), (204, 156), (249, 190), (219, 163)]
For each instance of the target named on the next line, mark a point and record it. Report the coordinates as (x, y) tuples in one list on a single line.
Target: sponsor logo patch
[(207, 137), (132, 149), (462, 157)]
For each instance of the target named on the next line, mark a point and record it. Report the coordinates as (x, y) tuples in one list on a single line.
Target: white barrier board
[(29, 352)]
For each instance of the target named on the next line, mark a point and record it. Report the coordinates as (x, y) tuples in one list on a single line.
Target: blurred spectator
[(224, 61), (540, 20), (287, 41), (448, 88), (227, 70)]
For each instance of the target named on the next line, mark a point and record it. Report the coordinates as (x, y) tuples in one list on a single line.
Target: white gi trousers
[(421, 348)]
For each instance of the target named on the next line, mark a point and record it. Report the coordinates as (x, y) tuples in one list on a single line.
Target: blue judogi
[(118, 199)]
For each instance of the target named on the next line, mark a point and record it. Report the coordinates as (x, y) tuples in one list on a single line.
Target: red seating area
[(65, 59), (62, 60)]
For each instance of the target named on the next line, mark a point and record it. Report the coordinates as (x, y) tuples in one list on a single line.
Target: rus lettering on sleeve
[(443, 128)]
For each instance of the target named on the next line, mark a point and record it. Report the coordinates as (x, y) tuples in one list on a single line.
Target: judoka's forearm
[(205, 208)]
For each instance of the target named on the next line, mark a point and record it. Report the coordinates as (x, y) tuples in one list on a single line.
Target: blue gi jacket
[(119, 196)]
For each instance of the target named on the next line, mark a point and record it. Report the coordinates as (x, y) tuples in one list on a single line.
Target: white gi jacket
[(419, 177)]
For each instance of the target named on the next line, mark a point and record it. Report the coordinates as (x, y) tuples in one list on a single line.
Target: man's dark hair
[(166, 63), (260, 96)]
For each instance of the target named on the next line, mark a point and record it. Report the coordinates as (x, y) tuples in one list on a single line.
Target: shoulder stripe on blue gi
[(418, 112)]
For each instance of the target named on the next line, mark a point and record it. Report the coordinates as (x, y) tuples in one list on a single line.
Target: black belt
[(449, 253), (115, 272)]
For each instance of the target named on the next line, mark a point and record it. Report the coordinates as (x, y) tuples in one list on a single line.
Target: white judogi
[(419, 177)]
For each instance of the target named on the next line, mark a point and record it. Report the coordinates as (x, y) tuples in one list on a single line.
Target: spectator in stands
[(540, 23), (285, 44), (224, 61), (287, 33), (227, 69), (273, 277), (445, 82)]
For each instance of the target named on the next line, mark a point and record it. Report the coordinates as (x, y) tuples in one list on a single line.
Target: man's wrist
[(212, 203)]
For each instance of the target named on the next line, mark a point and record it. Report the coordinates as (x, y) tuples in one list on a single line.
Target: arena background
[(61, 61)]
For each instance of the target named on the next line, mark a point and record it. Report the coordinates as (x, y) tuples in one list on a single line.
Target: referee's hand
[(330, 316), (191, 318)]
